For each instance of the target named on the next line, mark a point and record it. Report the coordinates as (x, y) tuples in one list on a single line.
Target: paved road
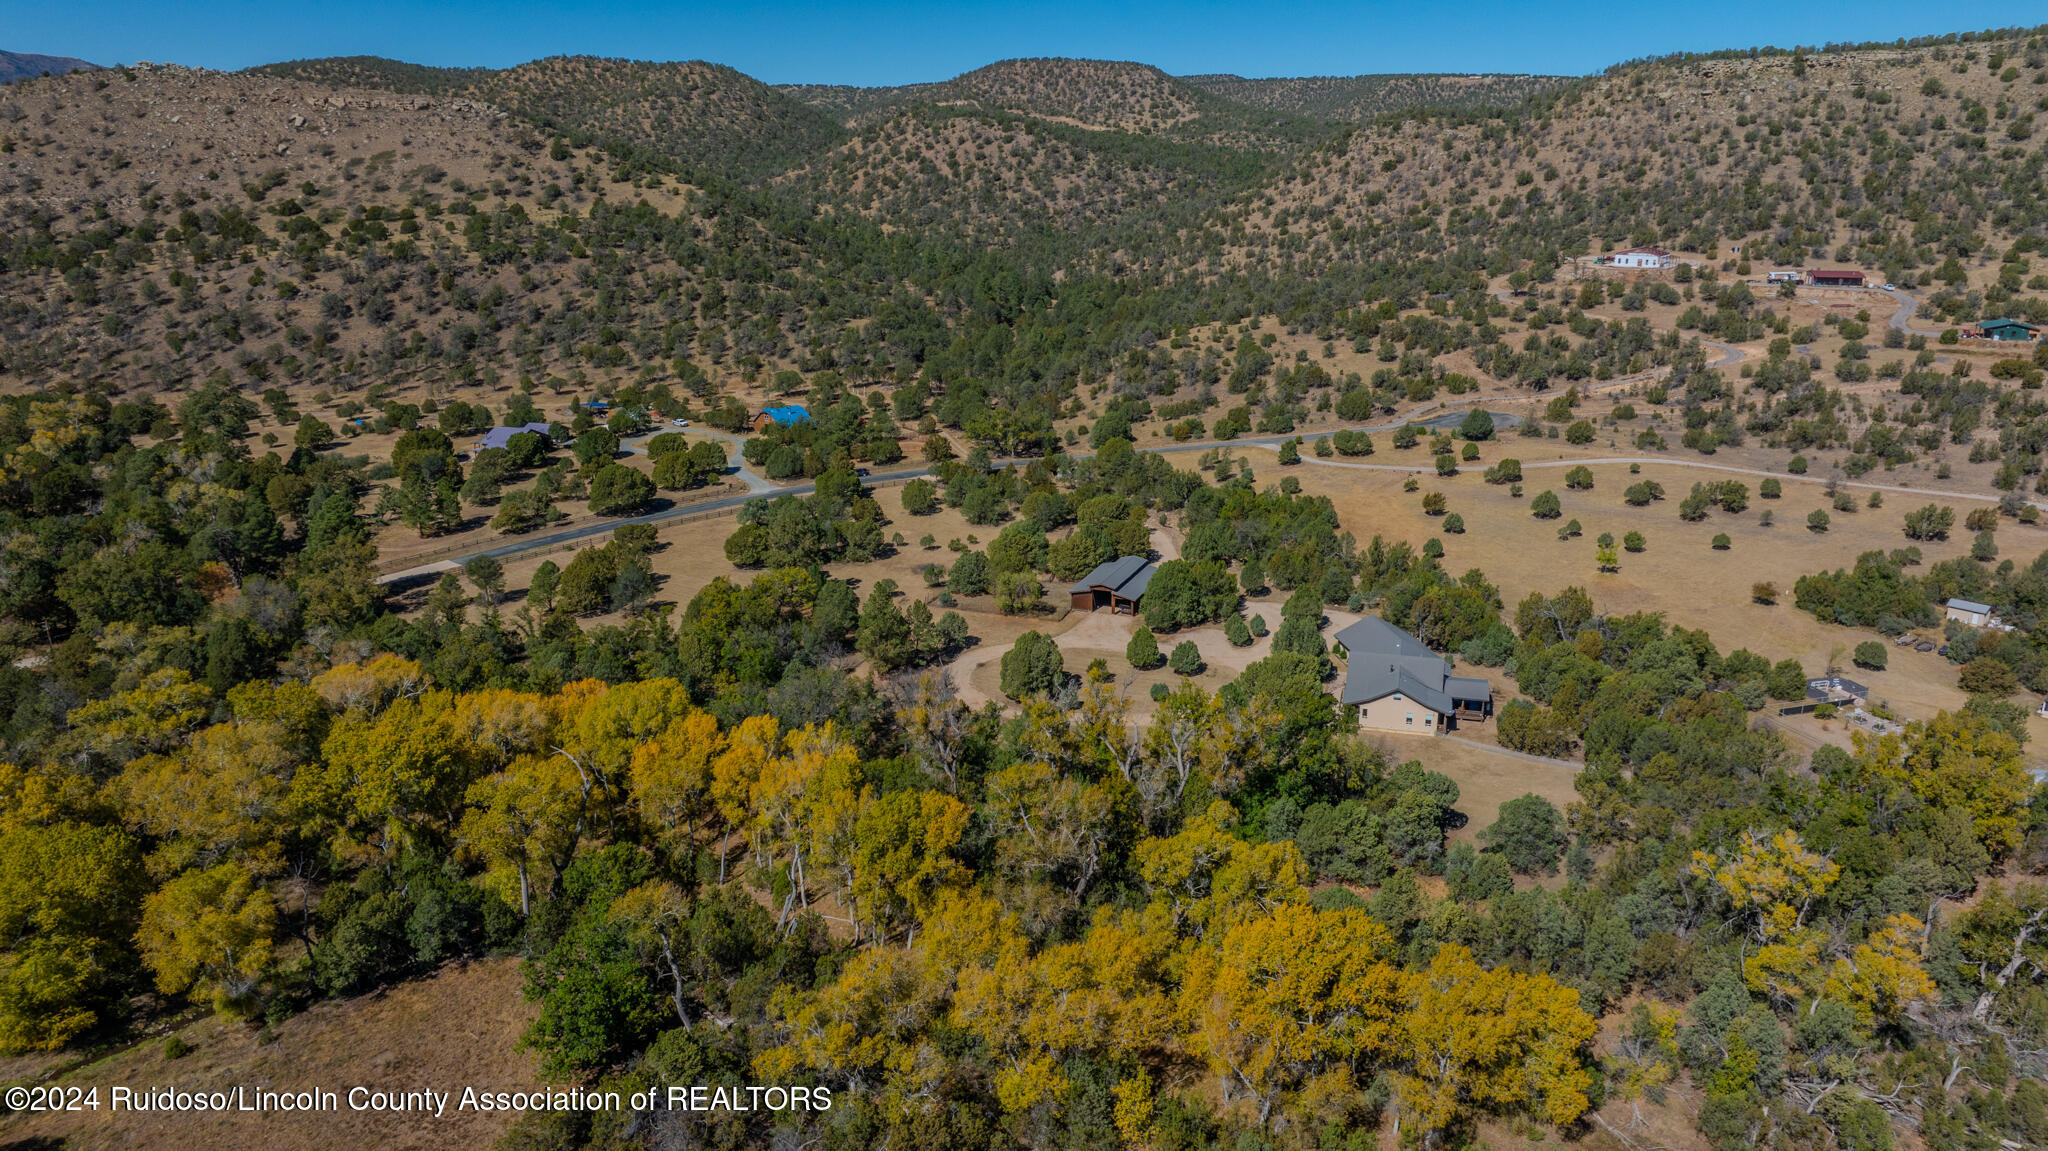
[(1438, 415)]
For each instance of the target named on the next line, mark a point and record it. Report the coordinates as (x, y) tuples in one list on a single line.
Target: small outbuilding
[(1117, 585), (1836, 690), (1835, 278), (2007, 329), (787, 415), (1968, 612), (1640, 258), (1784, 276)]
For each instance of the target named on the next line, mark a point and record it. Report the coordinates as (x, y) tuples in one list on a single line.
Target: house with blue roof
[(498, 437), (787, 415)]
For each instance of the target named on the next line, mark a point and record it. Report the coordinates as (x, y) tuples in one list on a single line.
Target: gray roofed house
[(1118, 585), (1968, 611), (498, 437), (1387, 664)]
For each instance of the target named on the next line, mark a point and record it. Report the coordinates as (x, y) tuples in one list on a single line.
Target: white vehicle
[(682, 423), (1890, 288)]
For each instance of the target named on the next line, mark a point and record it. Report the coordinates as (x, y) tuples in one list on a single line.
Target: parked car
[(1890, 288), (682, 423), (1943, 650)]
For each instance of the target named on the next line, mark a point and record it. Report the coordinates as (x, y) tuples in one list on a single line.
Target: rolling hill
[(705, 116), (24, 65)]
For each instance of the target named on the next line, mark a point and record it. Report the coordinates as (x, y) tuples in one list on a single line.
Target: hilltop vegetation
[(704, 117), (1362, 99)]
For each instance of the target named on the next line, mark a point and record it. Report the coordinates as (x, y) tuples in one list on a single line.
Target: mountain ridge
[(28, 65)]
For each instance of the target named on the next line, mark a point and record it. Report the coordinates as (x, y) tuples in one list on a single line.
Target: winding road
[(1438, 415)]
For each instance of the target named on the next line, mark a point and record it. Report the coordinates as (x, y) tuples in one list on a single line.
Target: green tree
[(1018, 593), (883, 634), (1032, 666), (1187, 658), (595, 445), (1236, 631), (1546, 506), (1871, 654), (1477, 425), (920, 497), (1529, 833), (969, 574), (619, 490), (1634, 541), (313, 433), (1143, 650)]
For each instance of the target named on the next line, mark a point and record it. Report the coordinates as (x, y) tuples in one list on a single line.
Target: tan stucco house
[(1399, 684)]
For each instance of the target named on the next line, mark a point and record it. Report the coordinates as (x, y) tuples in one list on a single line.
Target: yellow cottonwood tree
[(1050, 825), (209, 929), (901, 858), (67, 905), (867, 1030), (1883, 976), (225, 794), (526, 820), (1774, 883), (501, 724), (1102, 996), (155, 716), (671, 778), (1290, 997), (1208, 878), (1775, 880), (1962, 762), (601, 726), (737, 772), (366, 688), (1474, 1039), (376, 776)]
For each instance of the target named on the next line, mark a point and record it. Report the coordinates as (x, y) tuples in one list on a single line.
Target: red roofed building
[(1834, 278)]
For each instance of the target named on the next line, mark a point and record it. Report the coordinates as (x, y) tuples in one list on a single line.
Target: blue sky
[(900, 41)]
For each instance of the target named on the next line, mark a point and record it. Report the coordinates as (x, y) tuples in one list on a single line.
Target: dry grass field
[(1680, 573), (457, 1028)]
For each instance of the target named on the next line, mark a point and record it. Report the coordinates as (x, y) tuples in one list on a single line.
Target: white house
[(1968, 611), (1785, 276), (1640, 258)]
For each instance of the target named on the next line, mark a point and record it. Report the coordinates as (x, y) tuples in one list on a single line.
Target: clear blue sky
[(902, 41)]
